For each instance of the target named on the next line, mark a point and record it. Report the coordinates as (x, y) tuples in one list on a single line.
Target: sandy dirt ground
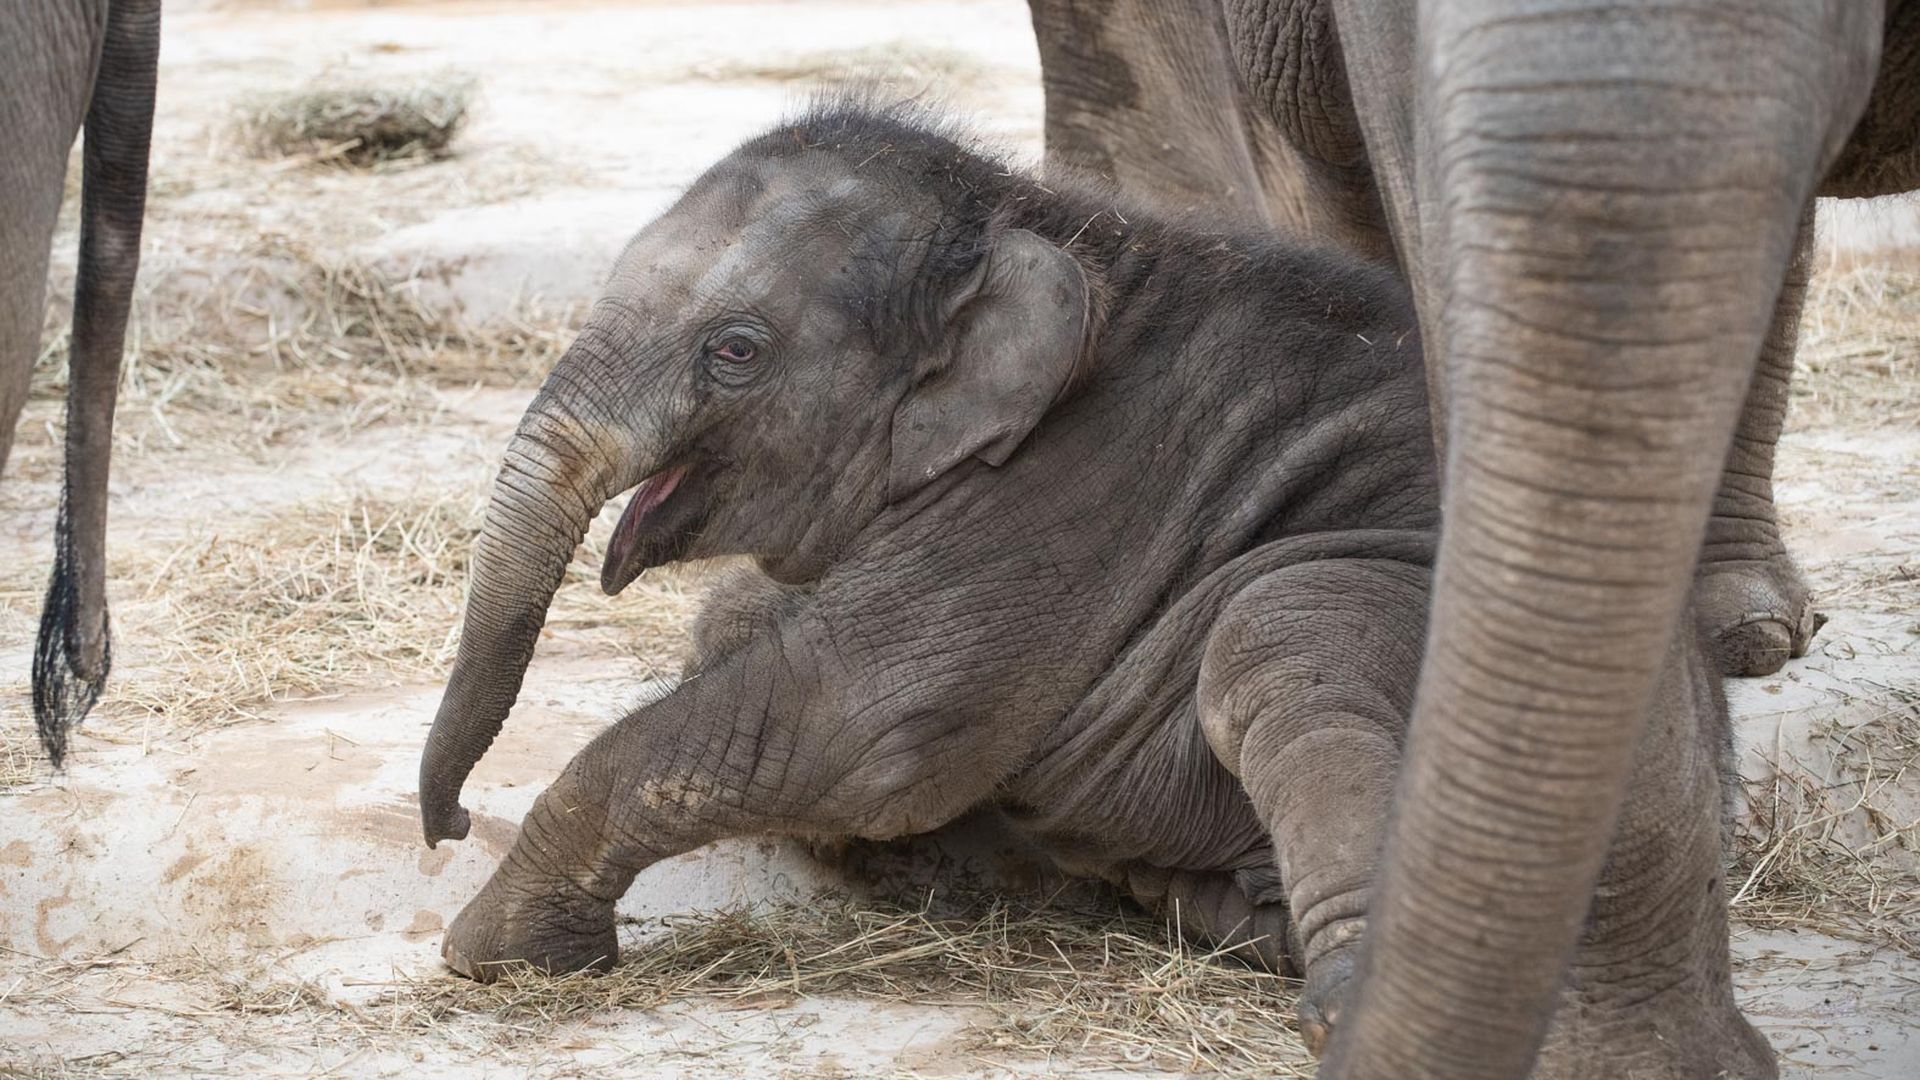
[(328, 360)]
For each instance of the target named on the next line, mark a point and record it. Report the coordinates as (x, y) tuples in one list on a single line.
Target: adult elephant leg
[(1143, 92), (1146, 93), (1650, 990), (1308, 150), (1604, 201), (1304, 692), (47, 58), (27, 216), (1752, 598)]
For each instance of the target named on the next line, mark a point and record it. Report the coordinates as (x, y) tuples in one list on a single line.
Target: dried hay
[(1119, 987), (20, 757), (338, 593), (1100, 985), (294, 340), (1835, 847), (1859, 358), (365, 126), (314, 598)]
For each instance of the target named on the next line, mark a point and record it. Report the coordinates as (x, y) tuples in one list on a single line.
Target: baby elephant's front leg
[(762, 742), (662, 781), (1304, 692)]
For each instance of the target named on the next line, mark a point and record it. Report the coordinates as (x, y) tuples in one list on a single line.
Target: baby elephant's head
[(832, 317), (812, 332)]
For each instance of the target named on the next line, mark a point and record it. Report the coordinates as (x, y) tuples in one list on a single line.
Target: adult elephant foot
[(506, 928), (1750, 598), (1759, 613), (1676, 1034)]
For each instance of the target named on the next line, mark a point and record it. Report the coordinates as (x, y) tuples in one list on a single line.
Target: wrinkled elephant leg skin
[(1304, 691), (1649, 993), (1329, 986), (1143, 93), (1761, 614), (549, 906), (47, 53), (1609, 280), (23, 276), (523, 921), (28, 214), (749, 747), (1301, 127), (1752, 599)]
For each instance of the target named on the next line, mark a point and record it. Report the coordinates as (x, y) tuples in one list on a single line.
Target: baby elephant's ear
[(1018, 331)]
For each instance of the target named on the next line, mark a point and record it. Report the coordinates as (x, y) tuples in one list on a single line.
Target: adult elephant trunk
[(1621, 192), (570, 455)]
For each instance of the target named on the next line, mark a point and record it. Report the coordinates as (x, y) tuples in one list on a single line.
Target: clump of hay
[(1120, 987), (1859, 356), (362, 125), (1836, 847)]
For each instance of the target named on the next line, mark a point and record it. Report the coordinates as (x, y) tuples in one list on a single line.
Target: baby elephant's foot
[(1759, 614), (1329, 983), (554, 933)]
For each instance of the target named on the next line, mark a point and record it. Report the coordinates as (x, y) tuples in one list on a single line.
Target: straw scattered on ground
[(1116, 987), (279, 337), (337, 593), (1833, 844), (20, 755), (1102, 986), (1859, 358), (365, 126)]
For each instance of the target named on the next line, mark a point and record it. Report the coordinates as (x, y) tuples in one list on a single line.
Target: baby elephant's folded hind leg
[(1304, 691), (1240, 914)]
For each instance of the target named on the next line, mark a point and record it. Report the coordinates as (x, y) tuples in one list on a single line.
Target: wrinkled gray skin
[(63, 64), (1605, 211), (1063, 508)]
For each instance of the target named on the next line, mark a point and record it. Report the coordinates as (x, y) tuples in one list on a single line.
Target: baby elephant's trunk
[(566, 460)]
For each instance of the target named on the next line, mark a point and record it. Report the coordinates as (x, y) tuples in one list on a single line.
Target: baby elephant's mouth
[(658, 524)]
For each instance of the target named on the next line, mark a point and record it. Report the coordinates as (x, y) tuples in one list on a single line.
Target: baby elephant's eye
[(737, 350)]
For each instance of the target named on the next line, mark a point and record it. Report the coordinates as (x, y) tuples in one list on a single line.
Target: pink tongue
[(646, 498)]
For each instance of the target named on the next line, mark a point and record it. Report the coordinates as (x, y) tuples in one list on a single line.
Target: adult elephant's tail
[(71, 658)]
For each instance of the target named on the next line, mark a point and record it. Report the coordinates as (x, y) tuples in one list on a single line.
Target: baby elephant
[(1117, 523)]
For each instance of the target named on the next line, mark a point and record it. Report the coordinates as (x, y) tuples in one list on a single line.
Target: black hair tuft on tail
[(62, 696)]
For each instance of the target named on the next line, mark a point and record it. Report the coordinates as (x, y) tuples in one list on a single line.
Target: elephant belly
[(1882, 154)]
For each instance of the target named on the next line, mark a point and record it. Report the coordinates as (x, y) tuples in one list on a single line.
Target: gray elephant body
[(1283, 143), (62, 65), (1605, 211), (1148, 572)]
